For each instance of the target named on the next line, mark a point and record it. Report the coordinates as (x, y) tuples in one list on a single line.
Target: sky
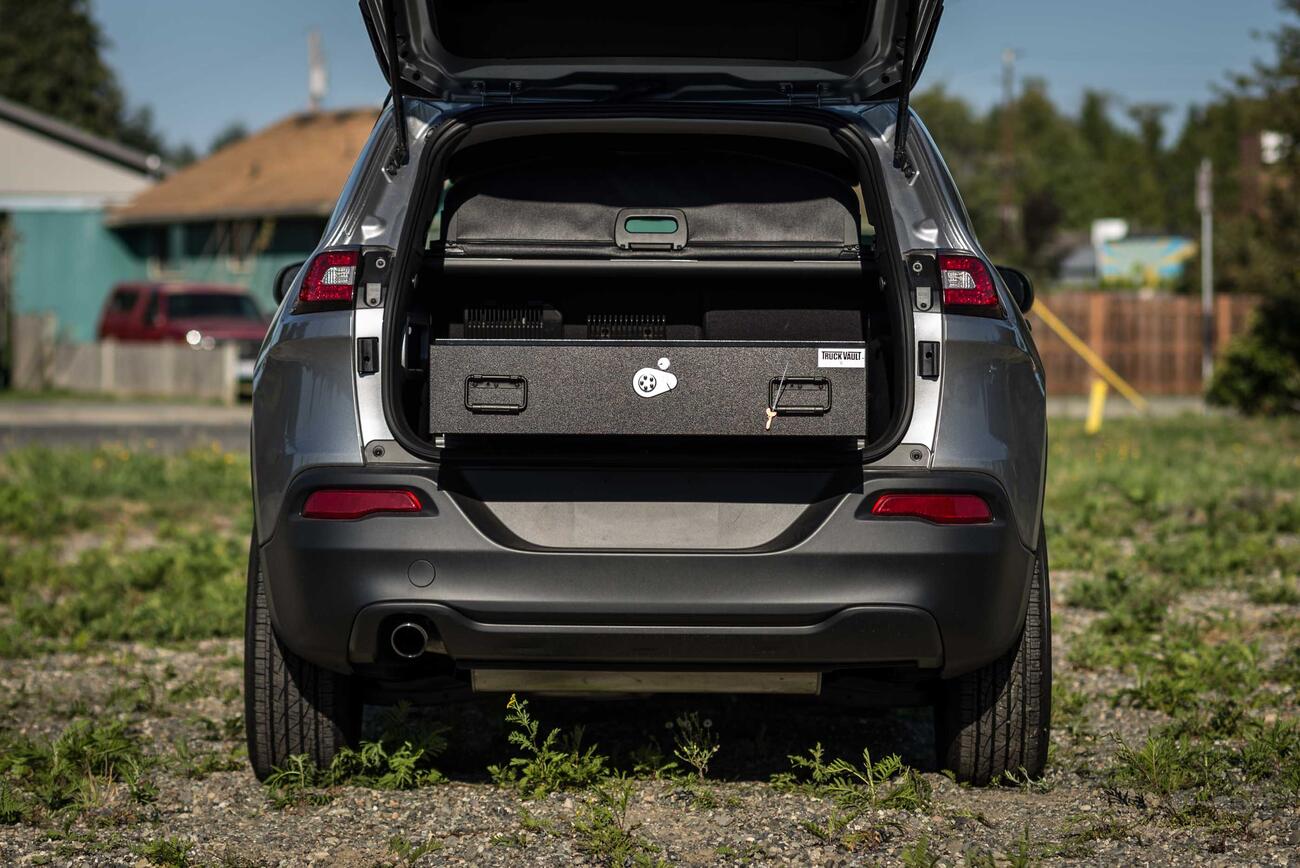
[(202, 64)]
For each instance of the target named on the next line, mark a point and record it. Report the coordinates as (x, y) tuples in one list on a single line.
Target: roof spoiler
[(401, 151), (903, 125)]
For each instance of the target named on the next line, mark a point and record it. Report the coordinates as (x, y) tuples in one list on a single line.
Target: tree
[(1261, 373), (232, 132), (50, 60), (1066, 171)]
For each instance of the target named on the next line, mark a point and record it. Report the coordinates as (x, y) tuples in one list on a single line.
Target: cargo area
[(712, 288)]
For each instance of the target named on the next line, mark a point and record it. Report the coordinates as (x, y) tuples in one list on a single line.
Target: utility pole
[(1008, 197), (1205, 204), (317, 74)]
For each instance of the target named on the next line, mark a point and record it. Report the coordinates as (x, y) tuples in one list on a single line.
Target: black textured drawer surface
[(555, 387)]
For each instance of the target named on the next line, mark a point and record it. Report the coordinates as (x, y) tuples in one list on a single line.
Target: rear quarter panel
[(305, 406), (990, 413)]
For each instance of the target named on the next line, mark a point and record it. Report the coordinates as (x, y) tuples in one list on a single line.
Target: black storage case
[(631, 357), (602, 388)]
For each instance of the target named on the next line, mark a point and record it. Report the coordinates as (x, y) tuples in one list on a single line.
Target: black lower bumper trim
[(857, 636)]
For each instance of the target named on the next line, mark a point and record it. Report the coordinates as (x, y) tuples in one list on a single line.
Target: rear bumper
[(851, 592)]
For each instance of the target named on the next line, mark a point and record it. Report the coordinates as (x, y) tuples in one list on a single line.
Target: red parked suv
[(201, 315)]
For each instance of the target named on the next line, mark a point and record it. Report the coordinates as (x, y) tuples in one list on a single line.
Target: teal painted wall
[(65, 262), (68, 260), (203, 252)]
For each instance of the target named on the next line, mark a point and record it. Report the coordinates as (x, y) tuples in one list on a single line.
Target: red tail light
[(345, 503), (967, 286), (330, 283), (938, 508)]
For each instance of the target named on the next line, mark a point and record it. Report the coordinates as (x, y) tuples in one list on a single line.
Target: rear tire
[(997, 719), (291, 706)]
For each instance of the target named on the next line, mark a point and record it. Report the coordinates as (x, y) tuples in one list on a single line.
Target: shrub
[(1256, 378)]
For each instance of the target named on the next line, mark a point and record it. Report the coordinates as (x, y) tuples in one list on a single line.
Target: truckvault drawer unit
[(640, 388)]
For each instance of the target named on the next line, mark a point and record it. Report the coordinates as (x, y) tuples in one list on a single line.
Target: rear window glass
[(782, 30), (123, 301), (212, 304)]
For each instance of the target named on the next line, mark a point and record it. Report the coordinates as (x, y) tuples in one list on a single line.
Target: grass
[(153, 530), (1149, 513), (45, 492), (1192, 500), (109, 593), (89, 765), (1176, 544)]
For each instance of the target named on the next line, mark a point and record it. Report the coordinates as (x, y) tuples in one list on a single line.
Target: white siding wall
[(36, 170)]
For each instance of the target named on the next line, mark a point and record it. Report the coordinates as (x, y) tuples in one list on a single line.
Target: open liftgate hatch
[(666, 389)]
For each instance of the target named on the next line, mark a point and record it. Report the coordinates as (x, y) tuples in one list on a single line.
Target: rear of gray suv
[(642, 357)]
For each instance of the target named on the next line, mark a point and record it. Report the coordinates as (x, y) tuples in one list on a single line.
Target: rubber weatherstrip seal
[(441, 146)]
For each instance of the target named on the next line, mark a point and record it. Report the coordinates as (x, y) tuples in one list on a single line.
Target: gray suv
[(649, 349)]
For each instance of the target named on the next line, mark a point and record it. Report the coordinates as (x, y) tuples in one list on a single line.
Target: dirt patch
[(191, 697)]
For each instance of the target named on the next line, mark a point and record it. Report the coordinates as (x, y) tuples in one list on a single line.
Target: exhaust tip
[(409, 640)]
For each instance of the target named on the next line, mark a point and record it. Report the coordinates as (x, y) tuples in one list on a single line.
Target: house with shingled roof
[(56, 183), (241, 214)]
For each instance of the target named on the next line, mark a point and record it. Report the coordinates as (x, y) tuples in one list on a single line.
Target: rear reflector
[(330, 283), (938, 508), (346, 503), (967, 285)]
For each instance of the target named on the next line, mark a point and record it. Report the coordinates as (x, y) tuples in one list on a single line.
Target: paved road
[(167, 427)]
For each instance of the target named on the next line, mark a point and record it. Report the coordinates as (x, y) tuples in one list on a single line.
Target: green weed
[(604, 832), (695, 742), (884, 783), (402, 759), (744, 854), (1083, 831), (1164, 764), (840, 829), (1190, 662), (918, 855), (173, 852), (197, 765), (13, 808), (1022, 854), (88, 765), (648, 761), (549, 763), (403, 767), (408, 852), (855, 790)]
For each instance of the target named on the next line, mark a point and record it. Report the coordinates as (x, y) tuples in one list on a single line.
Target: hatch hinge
[(816, 96), (401, 151), (487, 95), (904, 123)]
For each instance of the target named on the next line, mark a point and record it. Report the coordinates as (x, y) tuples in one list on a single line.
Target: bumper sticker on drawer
[(845, 358)]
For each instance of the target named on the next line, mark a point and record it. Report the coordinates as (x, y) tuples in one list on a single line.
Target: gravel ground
[(193, 697)]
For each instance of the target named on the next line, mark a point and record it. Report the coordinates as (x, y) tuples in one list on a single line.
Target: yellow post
[(1096, 406), (1096, 362)]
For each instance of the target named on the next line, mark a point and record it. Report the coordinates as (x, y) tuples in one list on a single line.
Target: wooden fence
[(43, 361), (1153, 342)]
